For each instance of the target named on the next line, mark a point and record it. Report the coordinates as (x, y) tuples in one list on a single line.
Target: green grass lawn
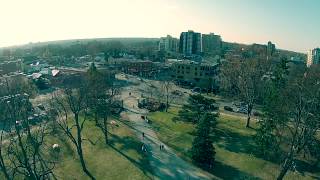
[(121, 160), (234, 145)]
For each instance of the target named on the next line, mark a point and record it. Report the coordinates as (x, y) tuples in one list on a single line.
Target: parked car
[(257, 113), (236, 104), (196, 90), (243, 109), (228, 108)]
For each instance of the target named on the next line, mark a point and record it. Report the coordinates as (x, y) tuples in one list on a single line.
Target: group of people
[(144, 148), (161, 147)]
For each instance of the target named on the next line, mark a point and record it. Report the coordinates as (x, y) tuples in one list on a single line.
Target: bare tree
[(243, 79), (292, 120), (104, 107), (101, 93), (167, 87), (73, 101), (27, 150), (303, 101), (24, 144), (5, 168)]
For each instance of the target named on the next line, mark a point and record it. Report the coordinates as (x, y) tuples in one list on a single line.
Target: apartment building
[(313, 57), (195, 74), (190, 43)]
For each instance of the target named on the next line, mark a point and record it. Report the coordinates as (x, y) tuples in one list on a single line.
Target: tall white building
[(313, 57)]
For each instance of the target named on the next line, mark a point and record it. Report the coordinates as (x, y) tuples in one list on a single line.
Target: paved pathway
[(165, 163)]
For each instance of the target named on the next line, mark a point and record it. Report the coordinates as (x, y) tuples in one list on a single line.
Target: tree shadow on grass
[(303, 167), (124, 144), (65, 143), (228, 172), (238, 143), (234, 142)]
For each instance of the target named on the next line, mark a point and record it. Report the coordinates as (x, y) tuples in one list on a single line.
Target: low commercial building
[(143, 68), (194, 74)]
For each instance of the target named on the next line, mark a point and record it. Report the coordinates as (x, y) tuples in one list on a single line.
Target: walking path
[(165, 163)]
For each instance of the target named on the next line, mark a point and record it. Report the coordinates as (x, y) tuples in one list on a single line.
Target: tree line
[(288, 130)]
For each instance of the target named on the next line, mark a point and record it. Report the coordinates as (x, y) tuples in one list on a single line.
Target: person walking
[(142, 135)]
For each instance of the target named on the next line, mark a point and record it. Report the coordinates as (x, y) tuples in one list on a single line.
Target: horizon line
[(131, 37)]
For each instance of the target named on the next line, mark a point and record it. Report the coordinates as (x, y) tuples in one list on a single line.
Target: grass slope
[(233, 142), (121, 160)]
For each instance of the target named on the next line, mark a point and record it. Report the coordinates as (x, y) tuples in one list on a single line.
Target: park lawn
[(119, 160), (233, 143)]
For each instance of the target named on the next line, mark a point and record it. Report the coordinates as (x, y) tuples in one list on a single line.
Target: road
[(143, 87), (165, 163)]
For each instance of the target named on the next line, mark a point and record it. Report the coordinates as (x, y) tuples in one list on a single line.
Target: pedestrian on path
[(142, 135)]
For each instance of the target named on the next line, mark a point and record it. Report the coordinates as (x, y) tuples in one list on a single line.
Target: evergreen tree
[(202, 150), (197, 104)]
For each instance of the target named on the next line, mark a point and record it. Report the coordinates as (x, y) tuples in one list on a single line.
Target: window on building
[(200, 74), (195, 68), (196, 74)]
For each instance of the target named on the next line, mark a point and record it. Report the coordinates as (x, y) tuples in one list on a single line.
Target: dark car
[(228, 108), (257, 113)]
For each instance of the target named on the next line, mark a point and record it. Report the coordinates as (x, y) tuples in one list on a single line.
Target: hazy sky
[(291, 24)]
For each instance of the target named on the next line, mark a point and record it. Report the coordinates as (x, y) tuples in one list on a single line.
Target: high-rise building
[(211, 43), (190, 43), (271, 49), (168, 43), (313, 57), (262, 50)]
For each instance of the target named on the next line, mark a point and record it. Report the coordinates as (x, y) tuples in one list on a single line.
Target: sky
[(290, 24)]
